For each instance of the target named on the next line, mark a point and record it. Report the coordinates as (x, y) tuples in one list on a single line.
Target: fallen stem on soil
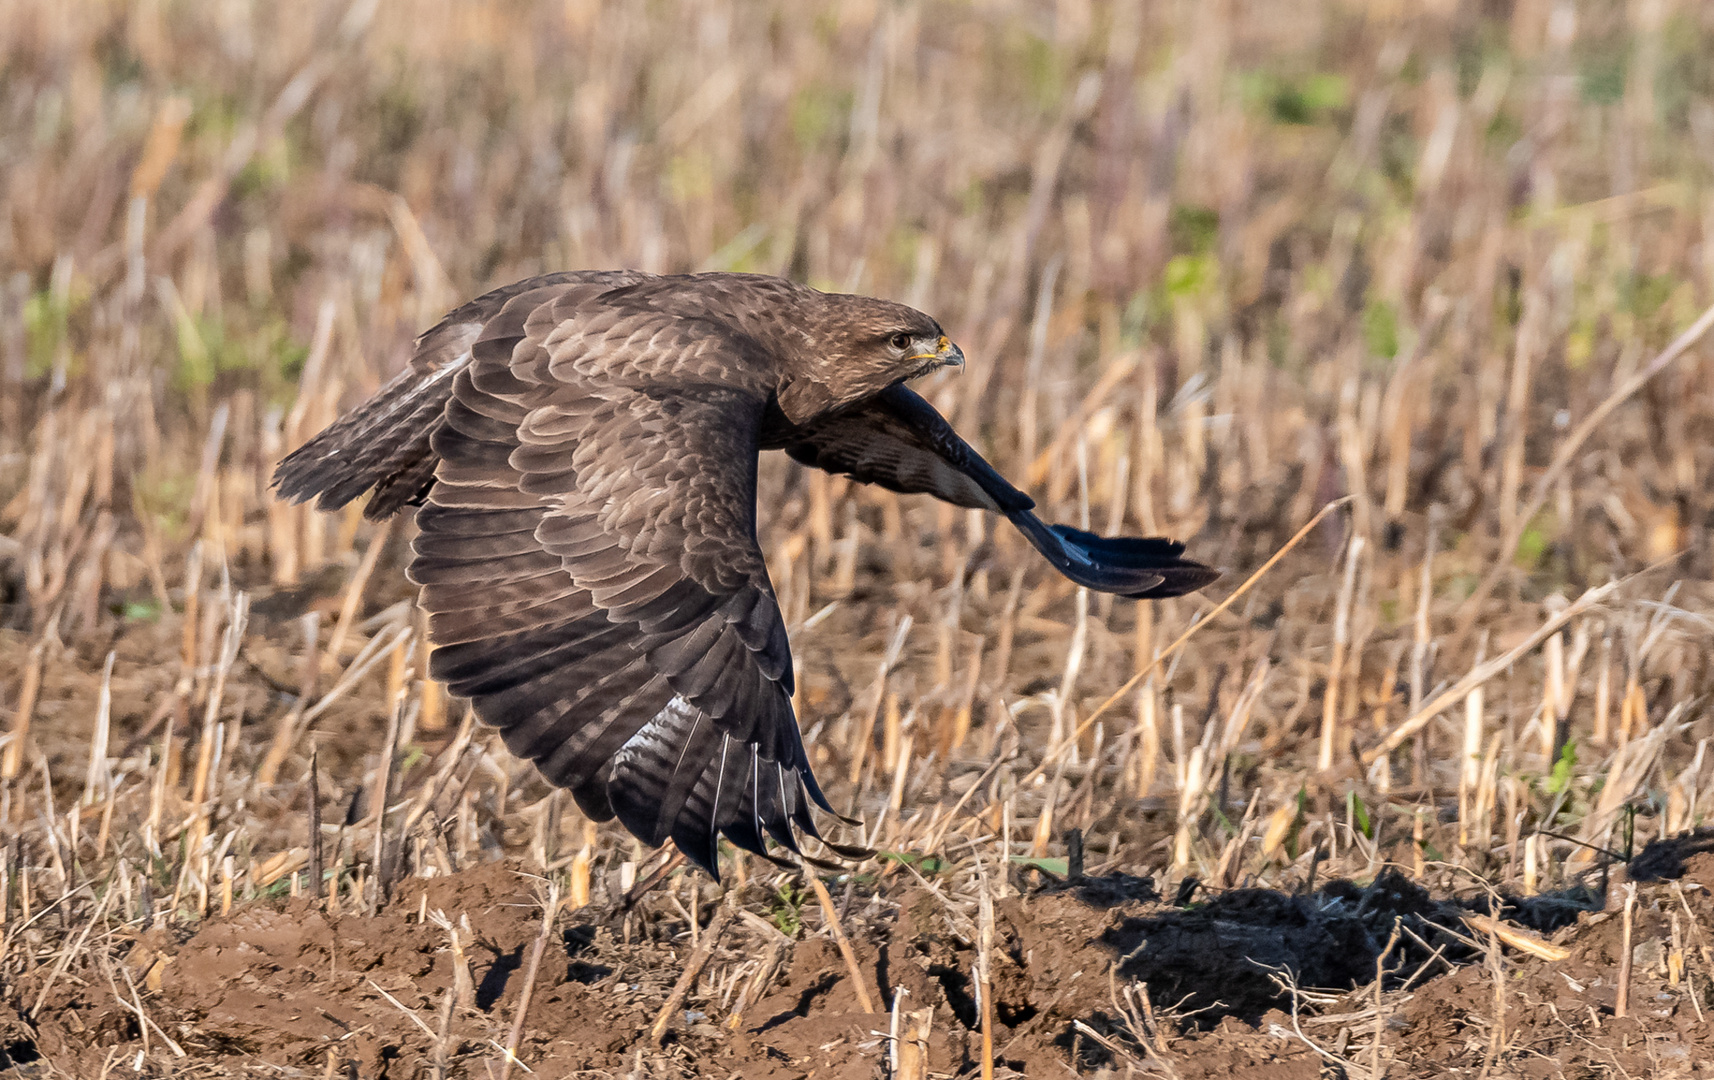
[(1283, 978), (402, 1007), (656, 876), (66, 955), (144, 1021), (1521, 940)]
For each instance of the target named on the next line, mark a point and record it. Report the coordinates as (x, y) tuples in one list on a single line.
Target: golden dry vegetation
[(1217, 267)]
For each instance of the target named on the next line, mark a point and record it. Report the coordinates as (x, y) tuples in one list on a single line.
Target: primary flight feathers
[(584, 449)]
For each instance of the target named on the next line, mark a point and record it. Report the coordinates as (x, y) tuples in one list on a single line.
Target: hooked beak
[(945, 354)]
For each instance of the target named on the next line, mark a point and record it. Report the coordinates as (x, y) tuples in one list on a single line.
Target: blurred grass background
[(1389, 249), (1214, 264)]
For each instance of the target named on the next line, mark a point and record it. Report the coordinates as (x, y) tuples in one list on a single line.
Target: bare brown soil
[(291, 988)]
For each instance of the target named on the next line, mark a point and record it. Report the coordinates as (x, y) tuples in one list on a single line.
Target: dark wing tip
[(1157, 556), (1137, 567), (344, 461), (1135, 551)]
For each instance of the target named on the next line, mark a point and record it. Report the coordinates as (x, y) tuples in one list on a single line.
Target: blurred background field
[(1215, 266)]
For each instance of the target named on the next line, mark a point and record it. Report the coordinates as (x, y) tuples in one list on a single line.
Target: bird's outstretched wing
[(898, 440), (589, 563)]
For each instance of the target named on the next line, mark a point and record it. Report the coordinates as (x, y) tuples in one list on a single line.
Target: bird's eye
[(900, 341)]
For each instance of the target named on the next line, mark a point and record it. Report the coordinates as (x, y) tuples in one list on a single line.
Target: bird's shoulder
[(624, 325)]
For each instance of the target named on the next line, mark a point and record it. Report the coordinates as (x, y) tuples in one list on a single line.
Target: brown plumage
[(585, 444)]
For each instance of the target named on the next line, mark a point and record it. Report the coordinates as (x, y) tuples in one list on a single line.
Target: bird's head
[(858, 346)]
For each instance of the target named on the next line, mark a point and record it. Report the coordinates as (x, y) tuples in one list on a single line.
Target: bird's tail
[(384, 443)]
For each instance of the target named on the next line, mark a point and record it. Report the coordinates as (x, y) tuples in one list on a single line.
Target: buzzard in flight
[(583, 447)]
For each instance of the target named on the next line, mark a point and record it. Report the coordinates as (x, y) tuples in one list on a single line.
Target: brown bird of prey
[(583, 447)]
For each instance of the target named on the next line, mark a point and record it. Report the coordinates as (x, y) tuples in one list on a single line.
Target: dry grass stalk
[(830, 917), (463, 986), (693, 965), (1601, 735), (18, 737), (550, 911), (1376, 1072), (1470, 771), (98, 782), (1553, 692), (192, 607), (1148, 739), (1497, 1031), (372, 653), (443, 1033), (1622, 987), (865, 732), (237, 618), (984, 973), (1484, 672), (227, 870), (379, 794), (1533, 848), (1567, 452), (354, 591), (1336, 667), (1192, 801)]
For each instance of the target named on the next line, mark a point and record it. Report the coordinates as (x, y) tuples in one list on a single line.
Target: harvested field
[(1075, 968), (1396, 311)]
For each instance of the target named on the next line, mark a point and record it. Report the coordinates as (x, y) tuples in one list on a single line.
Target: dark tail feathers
[(382, 444)]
